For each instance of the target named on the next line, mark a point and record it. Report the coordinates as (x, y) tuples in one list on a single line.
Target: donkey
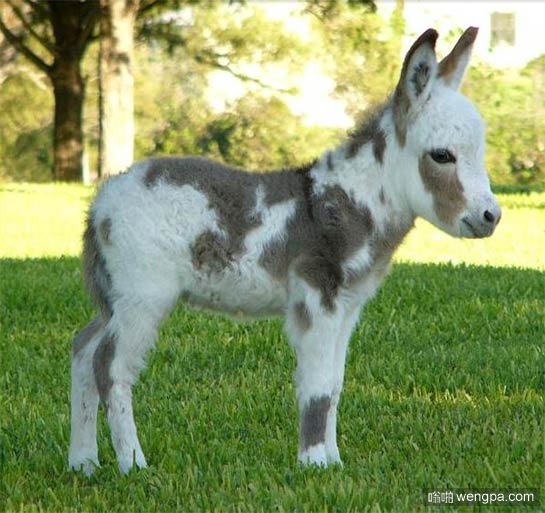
[(311, 244)]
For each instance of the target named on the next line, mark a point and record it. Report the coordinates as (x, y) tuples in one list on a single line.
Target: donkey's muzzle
[(482, 225)]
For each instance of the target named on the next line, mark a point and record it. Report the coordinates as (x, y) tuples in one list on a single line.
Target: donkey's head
[(441, 134)]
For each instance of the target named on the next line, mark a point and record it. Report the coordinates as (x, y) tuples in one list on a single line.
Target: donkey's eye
[(442, 156)]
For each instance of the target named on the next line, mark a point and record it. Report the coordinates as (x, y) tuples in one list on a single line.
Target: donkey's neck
[(367, 166)]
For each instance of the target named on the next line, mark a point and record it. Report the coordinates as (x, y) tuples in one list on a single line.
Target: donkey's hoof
[(87, 466), (127, 465), (334, 458), (314, 456)]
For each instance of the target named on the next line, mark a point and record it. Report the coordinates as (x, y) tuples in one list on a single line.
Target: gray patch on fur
[(106, 230), (325, 230), (97, 277), (381, 196), (442, 181), (330, 161), (314, 421), (210, 252), (401, 113), (85, 335), (102, 361), (302, 316), (287, 185), (420, 77), (382, 246), (385, 243), (379, 145), (324, 275), (231, 191)]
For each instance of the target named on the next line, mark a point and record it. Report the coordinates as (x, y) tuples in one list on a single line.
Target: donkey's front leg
[(341, 347), (314, 330)]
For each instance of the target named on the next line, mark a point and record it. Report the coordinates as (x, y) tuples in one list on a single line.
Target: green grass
[(42, 220), (444, 388)]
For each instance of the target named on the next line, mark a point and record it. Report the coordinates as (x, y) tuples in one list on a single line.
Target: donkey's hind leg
[(118, 360), (84, 402)]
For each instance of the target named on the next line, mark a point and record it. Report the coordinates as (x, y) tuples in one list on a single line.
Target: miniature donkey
[(311, 244)]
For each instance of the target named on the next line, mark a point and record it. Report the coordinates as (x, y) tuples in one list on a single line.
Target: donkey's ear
[(418, 72), (418, 75), (453, 66)]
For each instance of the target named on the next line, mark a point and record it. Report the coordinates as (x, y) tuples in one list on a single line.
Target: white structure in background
[(511, 32)]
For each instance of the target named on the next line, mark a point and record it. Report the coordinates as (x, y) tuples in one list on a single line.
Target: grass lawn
[(444, 388)]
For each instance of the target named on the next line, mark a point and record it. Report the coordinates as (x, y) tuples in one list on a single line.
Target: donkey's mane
[(368, 129), (300, 169)]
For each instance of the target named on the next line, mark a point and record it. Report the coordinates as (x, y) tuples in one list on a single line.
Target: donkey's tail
[(97, 277)]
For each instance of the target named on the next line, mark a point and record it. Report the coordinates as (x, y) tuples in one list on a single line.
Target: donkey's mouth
[(471, 231), (469, 227)]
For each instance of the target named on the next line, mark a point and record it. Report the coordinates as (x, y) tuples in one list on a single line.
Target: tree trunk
[(69, 93), (116, 144), (72, 23)]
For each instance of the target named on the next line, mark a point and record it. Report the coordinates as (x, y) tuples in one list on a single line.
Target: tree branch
[(37, 7), (18, 44), (241, 76), (48, 45), (89, 24), (145, 7)]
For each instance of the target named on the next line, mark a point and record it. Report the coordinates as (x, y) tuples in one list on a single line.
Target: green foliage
[(263, 134), (254, 132), (444, 388), (513, 106), (354, 45), (240, 33), (25, 130), (258, 131), (361, 50), (327, 9), (216, 35)]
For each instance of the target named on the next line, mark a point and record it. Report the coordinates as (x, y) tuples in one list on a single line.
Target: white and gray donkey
[(311, 244)]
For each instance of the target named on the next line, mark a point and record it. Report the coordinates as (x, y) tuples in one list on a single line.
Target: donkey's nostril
[(489, 216)]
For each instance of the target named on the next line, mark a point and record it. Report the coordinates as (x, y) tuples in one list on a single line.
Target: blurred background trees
[(513, 105), (53, 37), (86, 87)]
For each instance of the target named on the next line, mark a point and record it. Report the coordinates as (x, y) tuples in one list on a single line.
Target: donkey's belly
[(240, 291)]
